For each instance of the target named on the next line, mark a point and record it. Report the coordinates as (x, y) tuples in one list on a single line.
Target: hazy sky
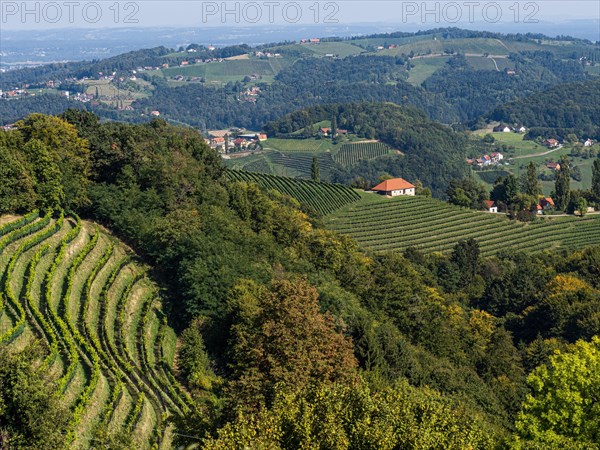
[(18, 15)]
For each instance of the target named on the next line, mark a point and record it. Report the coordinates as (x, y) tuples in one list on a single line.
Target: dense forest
[(432, 153), (307, 82), (290, 335), (473, 92), (557, 112)]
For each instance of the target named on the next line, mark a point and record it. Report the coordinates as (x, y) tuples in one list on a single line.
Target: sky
[(39, 15)]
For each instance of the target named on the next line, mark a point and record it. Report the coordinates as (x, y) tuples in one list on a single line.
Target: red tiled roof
[(394, 184), (489, 203)]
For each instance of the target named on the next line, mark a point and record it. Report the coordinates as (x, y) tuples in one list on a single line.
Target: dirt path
[(532, 155)]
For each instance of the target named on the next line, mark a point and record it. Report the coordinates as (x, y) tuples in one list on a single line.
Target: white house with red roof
[(490, 206), (395, 187)]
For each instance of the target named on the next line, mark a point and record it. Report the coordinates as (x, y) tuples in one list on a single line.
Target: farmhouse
[(502, 128), (553, 166), (490, 206), (545, 204), (551, 143), (588, 143), (395, 187)]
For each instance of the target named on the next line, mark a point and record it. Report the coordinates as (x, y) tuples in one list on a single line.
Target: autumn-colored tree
[(279, 337)]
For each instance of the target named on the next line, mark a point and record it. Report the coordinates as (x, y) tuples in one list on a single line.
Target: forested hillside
[(288, 335), (570, 108), (453, 75), (432, 153)]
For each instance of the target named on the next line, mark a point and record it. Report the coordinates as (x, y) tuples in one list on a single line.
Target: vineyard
[(350, 154), (324, 198), (85, 296), (301, 162), (383, 224)]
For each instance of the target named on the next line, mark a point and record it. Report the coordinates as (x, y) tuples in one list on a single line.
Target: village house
[(588, 143), (490, 206), (502, 129), (497, 157), (551, 143), (553, 166), (545, 204), (521, 129), (395, 187)]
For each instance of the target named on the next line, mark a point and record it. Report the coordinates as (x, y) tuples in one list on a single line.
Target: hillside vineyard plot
[(431, 225), (322, 197), (351, 154), (84, 295)]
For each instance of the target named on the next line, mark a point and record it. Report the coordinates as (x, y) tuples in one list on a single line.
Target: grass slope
[(81, 292), (384, 224)]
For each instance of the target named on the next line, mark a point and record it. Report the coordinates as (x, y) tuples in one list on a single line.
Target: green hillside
[(322, 197), (107, 346), (382, 224)]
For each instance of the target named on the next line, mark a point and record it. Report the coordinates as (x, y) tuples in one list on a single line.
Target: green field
[(339, 49), (383, 224), (322, 197), (300, 145), (230, 70), (424, 68), (85, 296)]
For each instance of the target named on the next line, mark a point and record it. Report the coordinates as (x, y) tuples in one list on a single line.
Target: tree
[(562, 191), (32, 416), (334, 127), (564, 402), (315, 172), (467, 193), (582, 206), (279, 337), (596, 179), (466, 256), (530, 184)]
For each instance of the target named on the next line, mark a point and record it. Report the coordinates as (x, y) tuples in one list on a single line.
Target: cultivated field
[(322, 197), (383, 224), (350, 154), (82, 293)]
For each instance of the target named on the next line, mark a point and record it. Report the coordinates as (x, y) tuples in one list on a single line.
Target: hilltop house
[(545, 204), (502, 128), (395, 187), (490, 206)]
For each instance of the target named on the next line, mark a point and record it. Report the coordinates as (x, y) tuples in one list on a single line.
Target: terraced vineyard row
[(383, 224), (302, 162), (350, 154), (74, 287), (322, 197)]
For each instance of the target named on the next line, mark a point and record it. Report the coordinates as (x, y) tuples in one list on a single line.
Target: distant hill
[(431, 153), (453, 75), (567, 108)]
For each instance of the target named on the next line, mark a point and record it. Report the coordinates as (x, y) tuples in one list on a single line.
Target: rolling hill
[(382, 224), (84, 294)]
